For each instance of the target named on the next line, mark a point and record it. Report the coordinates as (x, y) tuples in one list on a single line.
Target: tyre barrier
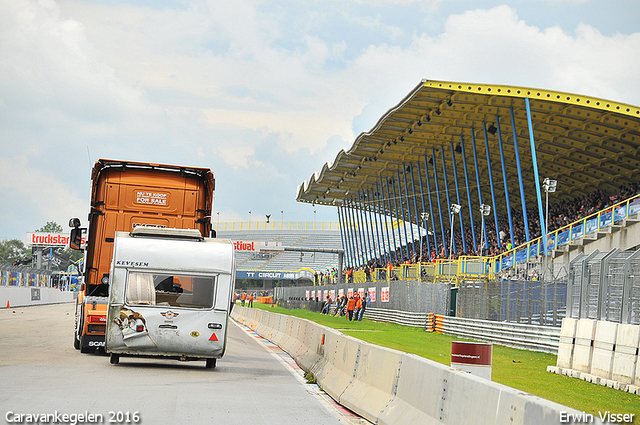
[(387, 386)]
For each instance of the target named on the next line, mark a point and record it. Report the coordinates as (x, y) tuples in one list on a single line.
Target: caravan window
[(163, 289)]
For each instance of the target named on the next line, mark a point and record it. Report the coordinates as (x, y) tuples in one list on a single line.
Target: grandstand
[(261, 253), (503, 156)]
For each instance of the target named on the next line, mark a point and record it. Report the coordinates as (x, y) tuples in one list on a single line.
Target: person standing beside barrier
[(327, 306), (351, 305), (250, 300), (365, 303), (358, 306)]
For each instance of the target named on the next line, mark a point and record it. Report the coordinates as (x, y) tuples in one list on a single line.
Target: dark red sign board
[(471, 353)]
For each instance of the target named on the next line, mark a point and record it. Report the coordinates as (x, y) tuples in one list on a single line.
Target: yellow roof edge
[(533, 93)]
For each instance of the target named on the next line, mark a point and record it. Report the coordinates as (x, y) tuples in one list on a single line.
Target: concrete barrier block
[(625, 357), (321, 361), (22, 296), (603, 345), (554, 369), (421, 385), (313, 341), (566, 344), (290, 341), (341, 361), (430, 393), (636, 379), (279, 327), (583, 349), (375, 381)]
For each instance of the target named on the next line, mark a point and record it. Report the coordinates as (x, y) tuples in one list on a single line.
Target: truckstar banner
[(49, 239)]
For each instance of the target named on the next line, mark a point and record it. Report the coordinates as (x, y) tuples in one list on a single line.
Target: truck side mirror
[(75, 240)]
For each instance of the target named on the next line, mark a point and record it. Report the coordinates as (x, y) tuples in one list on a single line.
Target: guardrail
[(404, 318), (528, 337)]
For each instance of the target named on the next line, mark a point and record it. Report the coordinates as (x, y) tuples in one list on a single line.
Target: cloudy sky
[(262, 92)]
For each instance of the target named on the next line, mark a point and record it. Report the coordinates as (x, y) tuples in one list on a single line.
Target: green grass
[(521, 369)]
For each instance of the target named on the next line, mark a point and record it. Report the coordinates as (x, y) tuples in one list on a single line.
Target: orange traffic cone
[(8, 306)]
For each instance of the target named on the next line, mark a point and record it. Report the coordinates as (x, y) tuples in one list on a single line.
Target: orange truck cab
[(125, 195)]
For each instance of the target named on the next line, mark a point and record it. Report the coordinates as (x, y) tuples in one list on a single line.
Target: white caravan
[(170, 295)]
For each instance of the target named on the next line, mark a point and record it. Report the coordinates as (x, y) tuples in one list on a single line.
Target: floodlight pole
[(484, 211), (549, 186), (455, 209)]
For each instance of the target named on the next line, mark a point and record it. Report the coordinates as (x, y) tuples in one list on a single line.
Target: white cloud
[(33, 196), (226, 84)]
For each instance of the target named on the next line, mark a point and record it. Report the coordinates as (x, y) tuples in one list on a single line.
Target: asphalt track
[(254, 383)]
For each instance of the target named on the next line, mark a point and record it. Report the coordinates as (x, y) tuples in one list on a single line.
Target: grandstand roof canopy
[(583, 142)]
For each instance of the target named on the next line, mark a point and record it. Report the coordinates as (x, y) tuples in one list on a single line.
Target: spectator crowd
[(560, 214)]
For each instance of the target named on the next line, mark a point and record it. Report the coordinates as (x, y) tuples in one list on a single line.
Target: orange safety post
[(430, 324), (439, 323)]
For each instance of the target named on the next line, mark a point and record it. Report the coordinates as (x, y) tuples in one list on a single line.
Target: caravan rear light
[(140, 328)]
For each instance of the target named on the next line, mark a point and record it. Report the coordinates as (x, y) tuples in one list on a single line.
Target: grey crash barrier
[(387, 386)]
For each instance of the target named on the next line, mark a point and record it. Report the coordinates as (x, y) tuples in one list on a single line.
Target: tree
[(50, 227), (13, 250)]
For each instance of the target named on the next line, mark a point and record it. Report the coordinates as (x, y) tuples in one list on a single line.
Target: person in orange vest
[(358, 308), (243, 298), (351, 305), (251, 299)]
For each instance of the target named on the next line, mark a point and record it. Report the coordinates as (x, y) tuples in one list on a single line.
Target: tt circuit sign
[(273, 275)]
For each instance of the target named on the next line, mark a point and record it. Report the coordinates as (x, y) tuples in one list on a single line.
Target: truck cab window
[(168, 290)]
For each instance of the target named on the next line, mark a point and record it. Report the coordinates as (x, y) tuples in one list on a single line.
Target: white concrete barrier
[(389, 387), (603, 344), (374, 382), (22, 296), (341, 352), (583, 349), (625, 356), (567, 341)]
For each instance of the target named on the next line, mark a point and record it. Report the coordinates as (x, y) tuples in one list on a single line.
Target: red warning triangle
[(213, 337)]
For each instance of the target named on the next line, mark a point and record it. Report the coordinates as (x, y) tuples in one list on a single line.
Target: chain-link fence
[(599, 286), (411, 296)]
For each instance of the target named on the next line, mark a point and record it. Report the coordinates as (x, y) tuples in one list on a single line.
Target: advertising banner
[(50, 239), (372, 294), (384, 294)]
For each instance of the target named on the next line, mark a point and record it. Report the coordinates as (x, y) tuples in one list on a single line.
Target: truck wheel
[(76, 341), (114, 359), (211, 364)]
